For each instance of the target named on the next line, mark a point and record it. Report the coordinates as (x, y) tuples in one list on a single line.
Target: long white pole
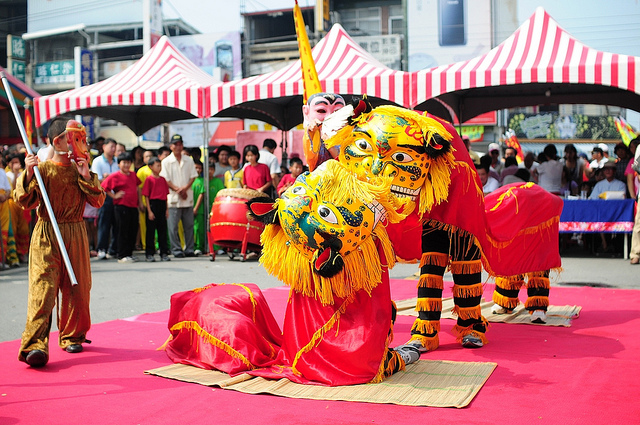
[(43, 190)]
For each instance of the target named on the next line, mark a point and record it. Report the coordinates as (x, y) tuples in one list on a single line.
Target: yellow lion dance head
[(409, 147), (320, 235)]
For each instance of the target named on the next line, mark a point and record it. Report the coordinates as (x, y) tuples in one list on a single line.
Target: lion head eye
[(401, 157), (327, 214), (363, 145), (298, 190)]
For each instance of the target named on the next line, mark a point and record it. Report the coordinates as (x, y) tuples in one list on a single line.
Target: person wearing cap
[(598, 158), (496, 164), (609, 183), (605, 150), (180, 171)]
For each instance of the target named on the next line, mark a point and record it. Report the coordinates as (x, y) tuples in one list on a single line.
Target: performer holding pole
[(45, 196), (71, 185)]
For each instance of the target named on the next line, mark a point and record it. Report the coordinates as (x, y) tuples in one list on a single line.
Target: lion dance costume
[(325, 240), (448, 224)]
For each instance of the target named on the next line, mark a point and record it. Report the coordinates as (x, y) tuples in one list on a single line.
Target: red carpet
[(585, 374)]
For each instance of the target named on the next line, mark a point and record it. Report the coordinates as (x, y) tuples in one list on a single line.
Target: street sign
[(55, 72)]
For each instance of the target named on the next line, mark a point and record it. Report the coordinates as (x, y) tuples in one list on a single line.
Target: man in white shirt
[(180, 172), (610, 183), (270, 160), (104, 165)]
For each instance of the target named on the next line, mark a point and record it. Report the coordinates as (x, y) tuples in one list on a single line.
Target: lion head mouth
[(404, 192)]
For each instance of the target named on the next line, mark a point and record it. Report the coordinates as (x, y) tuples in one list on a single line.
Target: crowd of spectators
[(573, 176), (257, 169), (174, 212)]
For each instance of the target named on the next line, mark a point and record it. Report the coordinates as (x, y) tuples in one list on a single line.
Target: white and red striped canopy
[(162, 86), (539, 63), (343, 67)]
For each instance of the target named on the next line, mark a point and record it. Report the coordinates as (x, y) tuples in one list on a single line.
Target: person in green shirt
[(199, 226)]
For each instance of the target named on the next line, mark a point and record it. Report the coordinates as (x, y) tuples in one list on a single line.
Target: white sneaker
[(471, 341), (409, 353), (415, 343), (126, 260), (498, 309), (109, 256), (538, 316), (197, 252), (101, 255)]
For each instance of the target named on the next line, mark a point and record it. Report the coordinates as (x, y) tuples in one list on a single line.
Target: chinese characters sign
[(55, 72)]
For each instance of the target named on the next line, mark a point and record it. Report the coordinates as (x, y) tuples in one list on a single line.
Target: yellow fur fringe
[(467, 291), (436, 186), (429, 304), (164, 346), (204, 288), (543, 273), (426, 327), (251, 297), (538, 282), (434, 259), (462, 332), (505, 302), (428, 342), (394, 362), (512, 283), (466, 313), (319, 334), (536, 302), (528, 231), (339, 185), (509, 193), (362, 268), (466, 267), (207, 337), (382, 370), (430, 281)]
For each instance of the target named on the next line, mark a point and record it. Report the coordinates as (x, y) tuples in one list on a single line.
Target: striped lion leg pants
[(441, 249), (507, 289)]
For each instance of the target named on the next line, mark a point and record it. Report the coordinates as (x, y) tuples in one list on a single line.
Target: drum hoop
[(241, 193), (228, 223)]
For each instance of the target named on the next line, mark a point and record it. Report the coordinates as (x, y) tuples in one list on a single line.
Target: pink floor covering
[(586, 374)]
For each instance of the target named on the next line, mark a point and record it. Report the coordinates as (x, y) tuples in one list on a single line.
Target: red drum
[(228, 223)]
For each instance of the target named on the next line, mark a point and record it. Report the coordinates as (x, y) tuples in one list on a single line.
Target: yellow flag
[(309, 74)]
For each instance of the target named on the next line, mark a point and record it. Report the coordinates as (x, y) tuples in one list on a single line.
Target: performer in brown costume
[(69, 186)]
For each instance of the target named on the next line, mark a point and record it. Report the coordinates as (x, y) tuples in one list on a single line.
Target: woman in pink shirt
[(256, 176)]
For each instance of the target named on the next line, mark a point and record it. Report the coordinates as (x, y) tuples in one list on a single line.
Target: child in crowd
[(69, 186), (255, 176), (122, 187), (199, 210), (142, 173), (155, 191), (233, 177), (288, 179)]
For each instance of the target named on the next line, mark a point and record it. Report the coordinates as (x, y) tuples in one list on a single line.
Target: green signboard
[(55, 72), (18, 69)]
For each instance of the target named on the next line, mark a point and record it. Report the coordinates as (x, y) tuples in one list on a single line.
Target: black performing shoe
[(36, 358), (74, 348)]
